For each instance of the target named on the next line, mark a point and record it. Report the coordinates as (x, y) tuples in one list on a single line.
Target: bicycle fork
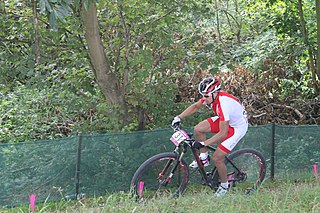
[(163, 172)]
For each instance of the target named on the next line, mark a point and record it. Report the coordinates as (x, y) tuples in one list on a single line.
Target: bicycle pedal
[(249, 191)]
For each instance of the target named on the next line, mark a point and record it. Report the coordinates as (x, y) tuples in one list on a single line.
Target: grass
[(279, 196)]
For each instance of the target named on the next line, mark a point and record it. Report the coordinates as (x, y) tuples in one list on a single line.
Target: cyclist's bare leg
[(200, 131), (218, 158)]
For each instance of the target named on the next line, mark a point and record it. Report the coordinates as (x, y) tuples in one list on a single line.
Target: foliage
[(153, 46), (278, 39), (15, 44), (280, 57), (48, 109), (62, 49), (57, 10), (54, 98), (146, 41)]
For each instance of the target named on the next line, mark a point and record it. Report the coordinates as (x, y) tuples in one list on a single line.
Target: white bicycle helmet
[(209, 85)]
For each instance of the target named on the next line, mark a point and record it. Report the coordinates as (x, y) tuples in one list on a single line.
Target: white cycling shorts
[(233, 137)]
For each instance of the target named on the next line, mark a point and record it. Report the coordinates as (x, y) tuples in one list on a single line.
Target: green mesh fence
[(36, 167), (101, 164), (297, 148)]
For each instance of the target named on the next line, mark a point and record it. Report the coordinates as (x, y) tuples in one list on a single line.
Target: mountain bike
[(167, 174)]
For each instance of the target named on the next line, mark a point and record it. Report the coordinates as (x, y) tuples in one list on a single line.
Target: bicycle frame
[(207, 181), (171, 170)]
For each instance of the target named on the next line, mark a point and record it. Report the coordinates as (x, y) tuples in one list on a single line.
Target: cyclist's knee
[(202, 127), (198, 129), (217, 159), (199, 134), (218, 156)]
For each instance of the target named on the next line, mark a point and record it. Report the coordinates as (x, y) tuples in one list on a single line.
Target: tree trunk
[(141, 119), (2, 7), (107, 80), (306, 41), (36, 31), (318, 37), (218, 22)]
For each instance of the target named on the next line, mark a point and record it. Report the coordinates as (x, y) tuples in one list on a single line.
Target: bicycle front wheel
[(246, 169), (160, 176)]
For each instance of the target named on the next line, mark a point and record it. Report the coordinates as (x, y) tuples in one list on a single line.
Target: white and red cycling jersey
[(228, 108)]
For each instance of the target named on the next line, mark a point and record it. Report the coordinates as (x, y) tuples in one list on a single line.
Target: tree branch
[(300, 115)]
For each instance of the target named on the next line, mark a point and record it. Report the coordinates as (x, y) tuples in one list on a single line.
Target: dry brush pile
[(261, 95)]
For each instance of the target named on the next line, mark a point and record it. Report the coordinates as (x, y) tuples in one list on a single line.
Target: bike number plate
[(178, 137)]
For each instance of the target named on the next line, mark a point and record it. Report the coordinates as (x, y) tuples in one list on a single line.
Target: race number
[(178, 137)]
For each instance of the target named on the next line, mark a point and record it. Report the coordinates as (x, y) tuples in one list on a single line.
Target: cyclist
[(230, 125)]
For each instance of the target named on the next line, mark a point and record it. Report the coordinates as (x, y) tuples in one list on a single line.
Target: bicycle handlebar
[(176, 127)]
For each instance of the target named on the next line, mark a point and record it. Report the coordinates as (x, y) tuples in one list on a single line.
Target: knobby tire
[(252, 166), (147, 183)]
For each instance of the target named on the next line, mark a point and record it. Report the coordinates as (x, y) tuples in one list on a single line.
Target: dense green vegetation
[(74, 67), (302, 196)]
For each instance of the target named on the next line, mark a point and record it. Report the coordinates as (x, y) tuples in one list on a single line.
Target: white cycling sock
[(225, 185), (204, 155)]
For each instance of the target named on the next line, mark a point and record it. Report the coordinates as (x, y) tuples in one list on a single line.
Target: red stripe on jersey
[(228, 95), (223, 148), (216, 106), (219, 112)]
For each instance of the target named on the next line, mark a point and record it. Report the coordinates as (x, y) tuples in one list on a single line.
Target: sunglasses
[(206, 96)]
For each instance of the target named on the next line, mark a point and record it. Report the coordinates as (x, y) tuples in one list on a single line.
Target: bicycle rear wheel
[(153, 179), (248, 169)]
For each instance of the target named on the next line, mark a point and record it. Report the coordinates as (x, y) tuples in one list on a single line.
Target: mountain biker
[(229, 123)]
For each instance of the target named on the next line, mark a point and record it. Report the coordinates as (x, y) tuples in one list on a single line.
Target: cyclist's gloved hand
[(176, 121), (198, 144)]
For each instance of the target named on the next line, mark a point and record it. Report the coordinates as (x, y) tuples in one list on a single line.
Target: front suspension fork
[(173, 170)]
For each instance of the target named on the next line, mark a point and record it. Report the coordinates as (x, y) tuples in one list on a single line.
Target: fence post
[(273, 151), (77, 175)]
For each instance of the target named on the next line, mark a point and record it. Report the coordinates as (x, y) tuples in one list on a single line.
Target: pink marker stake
[(32, 202), (230, 178), (315, 170), (141, 184)]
